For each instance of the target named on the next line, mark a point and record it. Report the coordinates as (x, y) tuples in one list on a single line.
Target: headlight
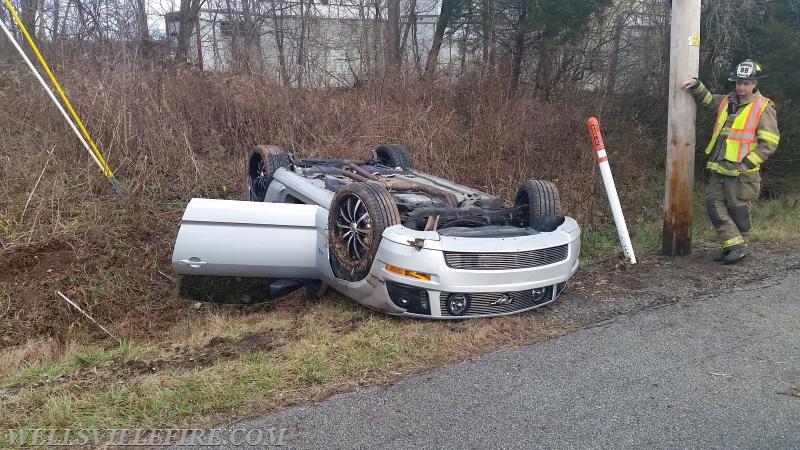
[(457, 304)]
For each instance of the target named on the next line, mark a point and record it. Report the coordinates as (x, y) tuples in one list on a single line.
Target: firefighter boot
[(719, 255), (735, 255)]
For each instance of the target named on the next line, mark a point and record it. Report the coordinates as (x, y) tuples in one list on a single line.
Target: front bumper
[(536, 269)]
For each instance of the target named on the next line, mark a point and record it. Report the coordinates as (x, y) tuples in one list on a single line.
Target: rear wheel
[(358, 215), (394, 155), (543, 204), (264, 161)]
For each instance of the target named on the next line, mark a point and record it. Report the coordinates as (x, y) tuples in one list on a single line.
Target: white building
[(342, 41)]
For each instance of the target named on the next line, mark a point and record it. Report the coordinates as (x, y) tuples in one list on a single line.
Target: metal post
[(683, 60)]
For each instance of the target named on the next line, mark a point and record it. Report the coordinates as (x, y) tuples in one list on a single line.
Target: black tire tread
[(273, 157), (394, 155), (383, 212), (542, 197)]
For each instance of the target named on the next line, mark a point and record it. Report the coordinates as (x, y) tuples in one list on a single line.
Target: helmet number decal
[(745, 69)]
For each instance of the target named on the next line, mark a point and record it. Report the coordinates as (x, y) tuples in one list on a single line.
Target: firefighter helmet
[(747, 70)]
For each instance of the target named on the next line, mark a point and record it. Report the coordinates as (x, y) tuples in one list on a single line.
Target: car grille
[(506, 260), (481, 302)]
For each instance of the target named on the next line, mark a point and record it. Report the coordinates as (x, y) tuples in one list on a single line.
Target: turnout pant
[(728, 201)]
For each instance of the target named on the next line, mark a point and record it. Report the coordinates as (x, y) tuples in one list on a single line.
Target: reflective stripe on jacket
[(741, 136), (766, 132)]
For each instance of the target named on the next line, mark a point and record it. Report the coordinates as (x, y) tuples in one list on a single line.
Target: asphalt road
[(721, 371)]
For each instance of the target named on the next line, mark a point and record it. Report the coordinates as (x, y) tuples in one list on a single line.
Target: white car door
[(249, 239)]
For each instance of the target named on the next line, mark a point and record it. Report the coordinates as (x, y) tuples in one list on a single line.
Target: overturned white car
[(378, 231)]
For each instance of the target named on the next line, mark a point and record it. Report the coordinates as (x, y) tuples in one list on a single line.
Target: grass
[(777, 220), (774, 221), (325, 347), (18, 369)]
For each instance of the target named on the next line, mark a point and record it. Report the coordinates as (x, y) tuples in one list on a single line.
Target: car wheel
[(264, 161), (358, 215), (543, 204), (394, 155)]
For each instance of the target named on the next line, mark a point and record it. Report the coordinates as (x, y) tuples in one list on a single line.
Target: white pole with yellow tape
[(611, 190), (83, 135)]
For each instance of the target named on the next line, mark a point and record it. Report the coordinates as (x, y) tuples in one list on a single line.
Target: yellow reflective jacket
[(745, 134)]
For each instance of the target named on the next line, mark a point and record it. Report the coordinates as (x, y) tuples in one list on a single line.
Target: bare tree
[(189, 10), (487, 28), (90, 20), (250, 53), (41, 34), (518, 50), (450, 10), (5, 45), (393, 34), (56, 17), (613, 60), (301, 45), (724, 29), (277, 23), (141, 22), (377, 26), (27, 15)]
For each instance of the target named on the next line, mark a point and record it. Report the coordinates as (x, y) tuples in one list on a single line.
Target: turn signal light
[(408, 273)]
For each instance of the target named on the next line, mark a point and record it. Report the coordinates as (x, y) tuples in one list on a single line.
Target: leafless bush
[(725, 23)]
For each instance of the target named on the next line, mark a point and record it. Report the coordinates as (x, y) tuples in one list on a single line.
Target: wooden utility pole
[(684, 57)]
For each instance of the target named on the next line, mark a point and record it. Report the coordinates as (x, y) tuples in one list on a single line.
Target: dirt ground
[(608, 290), (605, 289)]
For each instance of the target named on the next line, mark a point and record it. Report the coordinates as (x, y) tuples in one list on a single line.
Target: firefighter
[(745, 134)]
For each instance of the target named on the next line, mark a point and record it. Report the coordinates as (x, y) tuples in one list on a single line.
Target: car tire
[(359, 213), (543, 204), (263, 163), (394, 155)]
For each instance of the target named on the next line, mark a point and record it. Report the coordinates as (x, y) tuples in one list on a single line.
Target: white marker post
[(611, 190)]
